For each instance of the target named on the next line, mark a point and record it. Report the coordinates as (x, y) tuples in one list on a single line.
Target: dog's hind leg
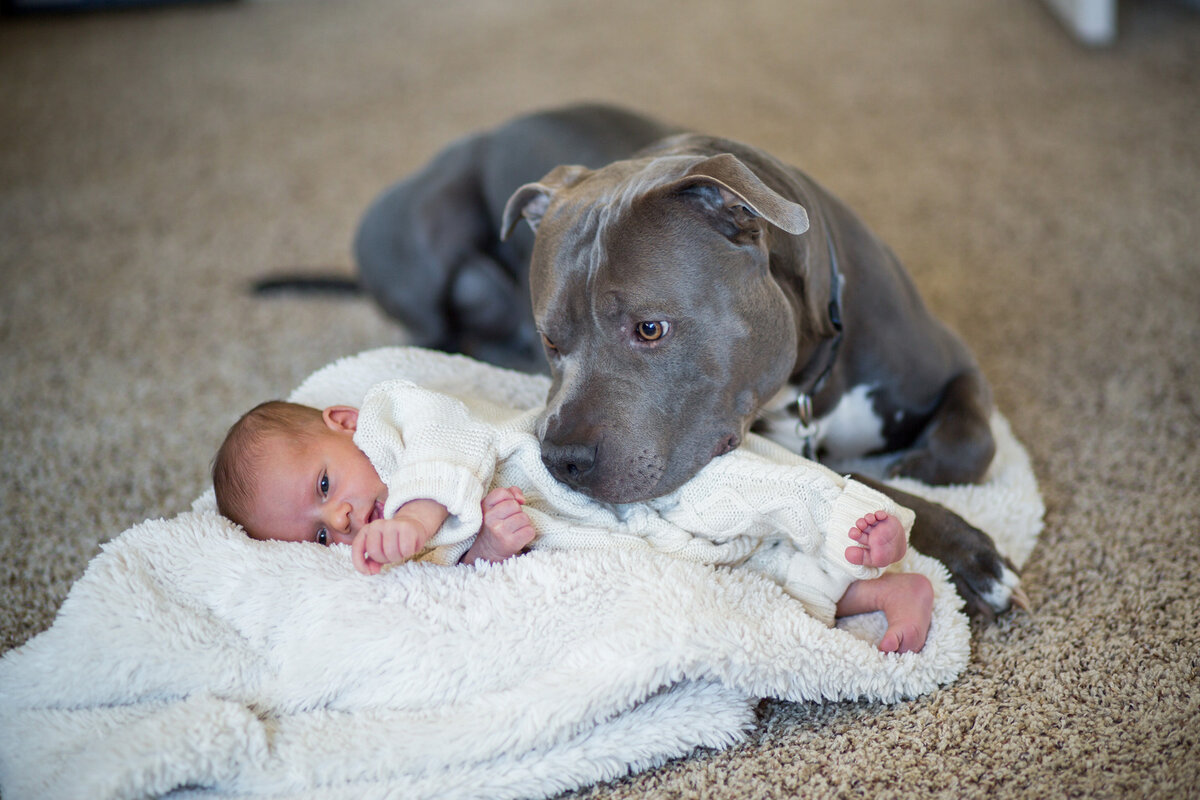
[(489, 317)]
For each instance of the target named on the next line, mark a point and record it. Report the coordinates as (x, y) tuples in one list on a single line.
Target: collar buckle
[(806, 427)]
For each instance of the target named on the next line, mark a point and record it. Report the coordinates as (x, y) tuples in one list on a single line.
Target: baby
[(416, 473), (288, 472)]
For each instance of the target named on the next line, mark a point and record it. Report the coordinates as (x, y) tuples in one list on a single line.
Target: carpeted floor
[(1045, 197)]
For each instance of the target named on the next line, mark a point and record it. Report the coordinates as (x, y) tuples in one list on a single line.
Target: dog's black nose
[(569, 463)]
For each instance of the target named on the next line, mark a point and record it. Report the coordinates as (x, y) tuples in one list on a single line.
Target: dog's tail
[(308, 283)]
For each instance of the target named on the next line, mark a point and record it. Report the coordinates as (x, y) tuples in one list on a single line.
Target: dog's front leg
[(986, 580), (957, 444)]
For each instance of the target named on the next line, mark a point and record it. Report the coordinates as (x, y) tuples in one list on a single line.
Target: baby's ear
[(340, 418)]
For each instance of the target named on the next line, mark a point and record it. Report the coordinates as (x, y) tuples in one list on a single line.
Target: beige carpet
[(1045, 197)]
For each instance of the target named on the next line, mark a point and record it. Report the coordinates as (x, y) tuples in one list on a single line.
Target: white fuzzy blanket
[(191, 661)]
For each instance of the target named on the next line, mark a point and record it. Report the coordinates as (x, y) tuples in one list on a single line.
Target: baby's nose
[(339, 518)]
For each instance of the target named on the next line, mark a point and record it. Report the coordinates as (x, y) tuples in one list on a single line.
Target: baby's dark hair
[(241, 455)]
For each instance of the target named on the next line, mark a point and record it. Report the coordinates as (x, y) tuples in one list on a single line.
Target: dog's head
[(665, 330)]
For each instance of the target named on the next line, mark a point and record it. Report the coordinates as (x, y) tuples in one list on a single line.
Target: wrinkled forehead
[(634, 230), (653, 250)]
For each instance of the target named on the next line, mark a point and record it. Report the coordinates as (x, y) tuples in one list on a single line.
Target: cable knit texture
[(761, 506)]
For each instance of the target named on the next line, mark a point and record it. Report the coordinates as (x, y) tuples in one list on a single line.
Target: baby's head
[(291, 472)]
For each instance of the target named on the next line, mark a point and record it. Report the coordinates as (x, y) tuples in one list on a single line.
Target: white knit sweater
[(759, 506)]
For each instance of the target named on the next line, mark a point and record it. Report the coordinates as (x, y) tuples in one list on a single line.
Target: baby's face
[(319, 489)]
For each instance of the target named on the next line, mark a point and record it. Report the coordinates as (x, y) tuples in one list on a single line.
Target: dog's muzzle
[(571, 464)]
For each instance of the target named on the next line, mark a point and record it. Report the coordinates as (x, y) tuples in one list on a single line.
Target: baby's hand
[(388, 541), (506, 527)]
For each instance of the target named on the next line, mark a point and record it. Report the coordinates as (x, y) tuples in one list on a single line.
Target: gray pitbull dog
[(684, 290)]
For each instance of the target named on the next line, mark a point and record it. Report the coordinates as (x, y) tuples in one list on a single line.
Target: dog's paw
[(988, 583), (928, 467), (990, 589), (919, 465)]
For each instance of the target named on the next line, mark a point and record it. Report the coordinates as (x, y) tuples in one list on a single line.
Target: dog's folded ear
[(531, 200), (728, 186)]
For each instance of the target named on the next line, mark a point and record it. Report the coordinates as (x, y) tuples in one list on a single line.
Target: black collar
[(821, 364), (812, 376)]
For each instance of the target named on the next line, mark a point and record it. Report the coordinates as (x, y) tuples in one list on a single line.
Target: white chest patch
[(851, 429)]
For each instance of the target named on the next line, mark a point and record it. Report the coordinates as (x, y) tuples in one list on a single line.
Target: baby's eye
[(323, 485), (323, 537)]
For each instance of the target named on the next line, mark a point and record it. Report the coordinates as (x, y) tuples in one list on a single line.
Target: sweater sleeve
[(427, 445), (747, 494), (780, 497)]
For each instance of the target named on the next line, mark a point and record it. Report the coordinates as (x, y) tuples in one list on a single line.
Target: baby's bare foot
[(880, 540), (908, 605)]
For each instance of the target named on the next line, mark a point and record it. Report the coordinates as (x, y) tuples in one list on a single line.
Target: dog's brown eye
[(548, 344), (651, 331)]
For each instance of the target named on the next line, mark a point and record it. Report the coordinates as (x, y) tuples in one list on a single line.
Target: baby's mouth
[(376, 512)]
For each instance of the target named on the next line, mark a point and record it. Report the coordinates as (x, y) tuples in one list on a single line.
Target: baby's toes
[(903, 638), (891, 641)]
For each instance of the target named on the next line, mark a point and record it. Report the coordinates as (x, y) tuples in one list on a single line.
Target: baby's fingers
[(501, 495), (362, 561)]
